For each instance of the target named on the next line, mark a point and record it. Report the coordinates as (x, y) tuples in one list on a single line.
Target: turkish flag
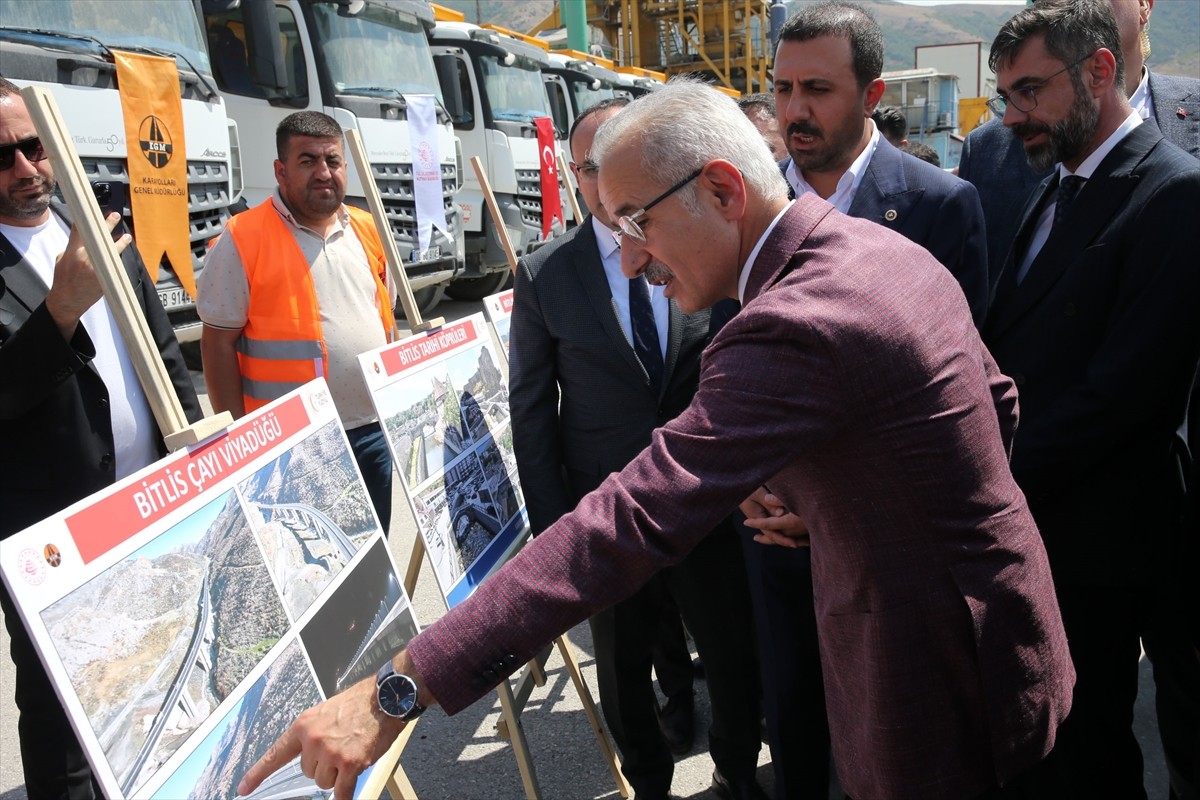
[(551, 199)]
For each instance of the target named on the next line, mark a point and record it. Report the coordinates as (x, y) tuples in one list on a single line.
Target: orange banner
[(157, 157)]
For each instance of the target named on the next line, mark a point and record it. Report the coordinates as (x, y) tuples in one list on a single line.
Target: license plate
[(174, 298), (432, 254)]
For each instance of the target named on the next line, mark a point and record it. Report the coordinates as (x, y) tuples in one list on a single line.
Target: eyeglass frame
[(8, 152), (588, 168), (1031, 89), (627, 223)]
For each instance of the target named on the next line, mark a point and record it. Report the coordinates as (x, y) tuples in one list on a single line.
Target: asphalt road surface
[(462, 758)]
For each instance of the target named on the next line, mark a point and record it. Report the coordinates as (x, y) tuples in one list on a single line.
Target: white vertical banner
[(427, 169)]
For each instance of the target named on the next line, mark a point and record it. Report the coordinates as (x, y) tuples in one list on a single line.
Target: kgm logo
[(155, 141)]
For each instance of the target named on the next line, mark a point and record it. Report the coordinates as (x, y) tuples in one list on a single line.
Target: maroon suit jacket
[(854, 385)]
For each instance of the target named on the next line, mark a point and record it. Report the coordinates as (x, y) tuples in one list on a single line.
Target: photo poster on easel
[(499, 311), (442, 400), (188, 613)]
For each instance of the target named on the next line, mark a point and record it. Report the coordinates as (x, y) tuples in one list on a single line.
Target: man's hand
[(76, 287), (775, 524), (336, 742)]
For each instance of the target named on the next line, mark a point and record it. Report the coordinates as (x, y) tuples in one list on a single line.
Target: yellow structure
[(726, 40)]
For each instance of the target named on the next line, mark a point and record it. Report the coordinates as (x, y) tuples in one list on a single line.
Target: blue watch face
[(397, 695)]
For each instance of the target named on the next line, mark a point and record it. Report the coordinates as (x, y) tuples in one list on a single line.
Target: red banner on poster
[(410, 352), (104, 525), (551, 200)]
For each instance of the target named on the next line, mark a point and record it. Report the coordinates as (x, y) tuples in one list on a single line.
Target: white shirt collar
[(1141, 100), (604, 237), (843, 196), (1089, 164), (744, 277)]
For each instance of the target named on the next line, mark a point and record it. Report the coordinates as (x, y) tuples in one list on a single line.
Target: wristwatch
[(397, 694)]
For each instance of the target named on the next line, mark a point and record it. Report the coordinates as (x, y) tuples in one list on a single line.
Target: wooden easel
[(131, 322), (394, 262)]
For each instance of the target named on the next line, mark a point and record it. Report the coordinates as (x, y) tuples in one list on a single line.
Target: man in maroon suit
[(854, 386)]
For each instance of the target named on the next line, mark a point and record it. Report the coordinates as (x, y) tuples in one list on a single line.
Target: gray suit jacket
[(580, 400), (853, 383)]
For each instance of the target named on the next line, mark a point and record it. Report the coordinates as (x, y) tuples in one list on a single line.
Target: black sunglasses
[(30, 148)]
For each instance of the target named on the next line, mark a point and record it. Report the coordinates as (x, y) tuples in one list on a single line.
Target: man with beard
[(598, 361), (1095, 318), (827, 84), (294, 289), (73, 416), (993, 159)]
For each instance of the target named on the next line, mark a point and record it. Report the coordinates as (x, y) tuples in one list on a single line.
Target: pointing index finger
[(280, 753)]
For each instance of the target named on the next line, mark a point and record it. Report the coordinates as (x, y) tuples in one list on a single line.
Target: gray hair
[(682, 127)]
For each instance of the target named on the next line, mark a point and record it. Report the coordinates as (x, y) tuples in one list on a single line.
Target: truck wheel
[(429, 297), (478, 288)]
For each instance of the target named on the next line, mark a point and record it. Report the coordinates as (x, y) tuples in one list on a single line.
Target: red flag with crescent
[(551, 199)]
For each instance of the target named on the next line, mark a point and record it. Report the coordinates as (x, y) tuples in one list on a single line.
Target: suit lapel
[(1087, 218), (883, 196), (590, 269), (1176, 111), (21, 288)]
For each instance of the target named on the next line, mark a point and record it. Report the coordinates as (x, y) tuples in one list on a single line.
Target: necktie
[(1068, 190), (645, 330)]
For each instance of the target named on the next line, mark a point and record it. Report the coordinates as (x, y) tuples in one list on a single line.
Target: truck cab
[(492, 83), (66, 48), (355, 60)]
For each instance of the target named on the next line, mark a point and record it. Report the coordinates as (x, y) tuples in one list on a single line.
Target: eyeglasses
[(1027, 94), (627, 225), (586, 170), (30, 148)]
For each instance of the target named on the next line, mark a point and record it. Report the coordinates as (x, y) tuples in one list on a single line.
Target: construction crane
[(728, 41)]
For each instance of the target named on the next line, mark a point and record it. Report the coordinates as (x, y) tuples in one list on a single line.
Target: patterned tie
[(1068, 190), (645, 330)]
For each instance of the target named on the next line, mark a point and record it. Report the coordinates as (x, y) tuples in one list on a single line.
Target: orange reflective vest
[(281, 347)]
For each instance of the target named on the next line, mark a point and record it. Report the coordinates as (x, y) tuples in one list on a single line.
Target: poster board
[(499, 312), (442, 401), (189, 612)]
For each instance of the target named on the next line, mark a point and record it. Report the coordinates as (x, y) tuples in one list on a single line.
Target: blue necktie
[(645, 330), (1068, 190)]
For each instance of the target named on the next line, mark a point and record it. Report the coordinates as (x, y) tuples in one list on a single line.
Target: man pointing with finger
[(853, 384)]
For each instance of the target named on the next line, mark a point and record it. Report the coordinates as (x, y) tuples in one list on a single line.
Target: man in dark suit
[(1095, 317), (993, 160), (827, 84), (73, 417), (585, 395), (853, 384)]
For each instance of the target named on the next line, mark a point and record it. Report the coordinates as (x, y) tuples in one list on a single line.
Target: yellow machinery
[(726, 40)]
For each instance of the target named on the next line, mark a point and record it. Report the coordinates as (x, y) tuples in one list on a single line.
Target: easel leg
[(520, 745), (414, 566), (389, 773), (589, 706)]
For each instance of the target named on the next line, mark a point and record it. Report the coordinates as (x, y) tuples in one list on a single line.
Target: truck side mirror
[(264, 51), (446, 66)]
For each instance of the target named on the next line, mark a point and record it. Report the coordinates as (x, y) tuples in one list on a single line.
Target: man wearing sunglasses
[(73, 416), (1096, 317), (853, 384)]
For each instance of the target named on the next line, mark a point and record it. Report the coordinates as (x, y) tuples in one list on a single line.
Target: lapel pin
[(1181, 112)]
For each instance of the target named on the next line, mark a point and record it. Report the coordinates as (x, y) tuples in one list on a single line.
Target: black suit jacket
[(566, 338), (994, 160), (54, 417), (931, 207), (1102, 338)]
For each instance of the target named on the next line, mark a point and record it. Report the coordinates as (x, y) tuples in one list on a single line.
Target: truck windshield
[(377, 51), (171, 27), (514, 92), (586, 97)]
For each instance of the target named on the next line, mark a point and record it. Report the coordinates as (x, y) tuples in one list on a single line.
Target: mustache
[(804, 129), (657, 273), (1023, 129)]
